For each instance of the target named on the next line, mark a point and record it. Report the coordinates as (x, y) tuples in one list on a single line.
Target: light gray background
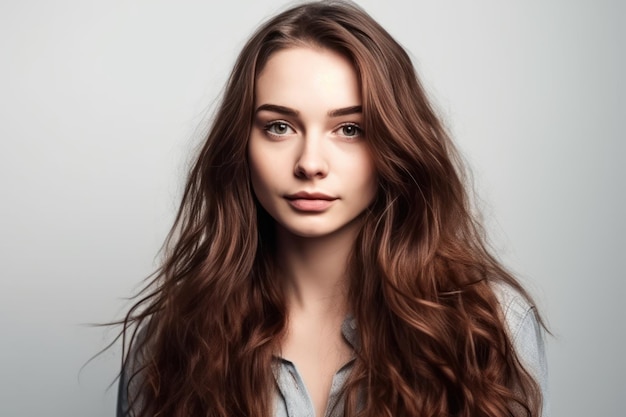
[(102, 101)]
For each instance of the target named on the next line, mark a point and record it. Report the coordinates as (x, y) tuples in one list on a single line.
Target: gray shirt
[(293, 400)]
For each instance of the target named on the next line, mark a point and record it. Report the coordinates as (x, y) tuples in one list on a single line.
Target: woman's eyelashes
[(280, 128), (350, 130)]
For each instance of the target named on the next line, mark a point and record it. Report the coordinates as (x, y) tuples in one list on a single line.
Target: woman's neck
[(315, 271)]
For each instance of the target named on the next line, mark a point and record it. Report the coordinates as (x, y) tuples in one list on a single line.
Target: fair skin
[(312, 171)]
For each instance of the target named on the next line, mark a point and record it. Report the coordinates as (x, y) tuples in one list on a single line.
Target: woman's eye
[(278, 128), (350, 130)]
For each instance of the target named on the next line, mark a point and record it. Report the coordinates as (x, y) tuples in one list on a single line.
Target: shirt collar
[(349, 332)]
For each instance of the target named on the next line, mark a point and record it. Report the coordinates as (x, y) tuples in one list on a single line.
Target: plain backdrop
[(102, 103)]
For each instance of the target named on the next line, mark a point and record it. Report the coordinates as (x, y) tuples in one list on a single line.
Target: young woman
[(325, 261)]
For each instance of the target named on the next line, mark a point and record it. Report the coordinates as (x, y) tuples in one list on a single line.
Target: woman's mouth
[(311, 202)]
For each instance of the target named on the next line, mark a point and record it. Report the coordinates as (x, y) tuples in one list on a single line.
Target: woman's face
[(310, 165)]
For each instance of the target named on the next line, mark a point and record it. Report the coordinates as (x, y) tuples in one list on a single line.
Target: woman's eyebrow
[(287, 111), (277, 109), (345, 111)]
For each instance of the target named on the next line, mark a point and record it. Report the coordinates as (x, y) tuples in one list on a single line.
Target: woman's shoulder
[(526, 333), (520, 314), (516, 308), (130, 374)]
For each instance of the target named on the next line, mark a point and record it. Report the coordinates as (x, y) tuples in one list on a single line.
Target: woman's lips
[(304, 204), (312, 202)]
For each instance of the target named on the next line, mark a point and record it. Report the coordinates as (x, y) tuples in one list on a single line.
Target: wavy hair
[(432, 338)]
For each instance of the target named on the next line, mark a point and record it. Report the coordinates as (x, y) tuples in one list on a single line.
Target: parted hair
[(201, 338)]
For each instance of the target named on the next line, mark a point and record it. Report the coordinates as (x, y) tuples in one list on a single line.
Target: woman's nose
[(311, 162)]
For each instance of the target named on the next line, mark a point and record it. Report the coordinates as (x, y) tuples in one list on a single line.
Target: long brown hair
[(432, 337)]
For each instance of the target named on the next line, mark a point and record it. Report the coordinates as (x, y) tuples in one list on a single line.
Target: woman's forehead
[(302, 76)]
